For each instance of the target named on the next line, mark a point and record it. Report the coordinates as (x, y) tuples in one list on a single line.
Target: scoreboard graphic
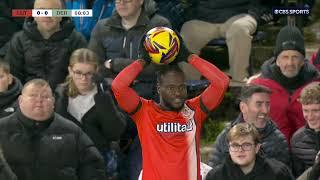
[(52, 13)]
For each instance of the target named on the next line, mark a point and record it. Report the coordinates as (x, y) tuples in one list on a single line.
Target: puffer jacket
[(111, 41), (264, 169), (273, 144), (103, 123), (54, 149), (31, 56), (305, 144), (5, 171), (285, 110), (8, 99)]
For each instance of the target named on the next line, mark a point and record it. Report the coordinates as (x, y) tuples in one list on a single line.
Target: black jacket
[(103, 122), (305, 144), (31, 56), (5, 171), (55, 149), (264, 169), (110, 40), (273, 144), (8, 99)]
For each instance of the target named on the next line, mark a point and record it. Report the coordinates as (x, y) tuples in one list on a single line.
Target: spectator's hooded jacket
[(31, 56), (285, 110), (8, 99)]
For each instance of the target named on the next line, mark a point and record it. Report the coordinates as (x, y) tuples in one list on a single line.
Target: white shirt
[(81, 104)]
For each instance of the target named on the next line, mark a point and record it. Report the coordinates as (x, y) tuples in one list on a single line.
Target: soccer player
[(170, 131)]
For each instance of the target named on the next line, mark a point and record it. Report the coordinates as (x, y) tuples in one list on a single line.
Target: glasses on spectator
[(79, 75), (123, 1), (237, 147), (38, 96)]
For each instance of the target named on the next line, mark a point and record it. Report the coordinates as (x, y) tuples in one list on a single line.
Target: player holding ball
[(169, 132)]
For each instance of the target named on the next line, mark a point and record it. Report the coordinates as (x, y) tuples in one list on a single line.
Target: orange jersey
[(169, 139)]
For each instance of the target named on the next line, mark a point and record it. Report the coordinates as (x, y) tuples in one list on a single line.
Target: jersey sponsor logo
[(172, 127), (175, 127)]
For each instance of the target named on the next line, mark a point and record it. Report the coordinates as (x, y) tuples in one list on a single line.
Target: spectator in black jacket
[(244, 162), (5, 171), (10, 89), (40, 144), (90, 105), (234, 20), (43, 47), (312, 173), (9, 23), (254, 108), (305, 142)]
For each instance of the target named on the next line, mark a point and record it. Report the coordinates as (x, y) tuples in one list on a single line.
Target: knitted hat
[(289, 38)]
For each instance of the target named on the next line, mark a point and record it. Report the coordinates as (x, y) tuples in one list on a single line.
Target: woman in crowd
[(90, 105)]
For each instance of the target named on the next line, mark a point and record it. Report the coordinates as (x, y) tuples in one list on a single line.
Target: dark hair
[(4, 65), (250, 89), (166, 69)]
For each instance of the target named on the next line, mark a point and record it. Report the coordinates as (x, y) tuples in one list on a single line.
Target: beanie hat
[(289, 38)]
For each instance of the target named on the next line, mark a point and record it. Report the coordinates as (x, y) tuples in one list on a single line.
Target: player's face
[(5, 80), (128, 8), (256, 109), (48, 24), (172, 91), (311, 113), (290, 62), (243, 151), (82, 74)]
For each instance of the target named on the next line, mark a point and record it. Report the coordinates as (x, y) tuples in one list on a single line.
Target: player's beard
[(168, 105)]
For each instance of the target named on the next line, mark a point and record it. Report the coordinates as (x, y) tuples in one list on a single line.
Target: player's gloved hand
[(184, 53), (143, 54)]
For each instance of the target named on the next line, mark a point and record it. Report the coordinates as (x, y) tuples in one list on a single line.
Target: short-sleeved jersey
[(170, 140)]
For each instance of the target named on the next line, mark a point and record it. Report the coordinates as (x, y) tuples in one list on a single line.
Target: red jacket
[(285, 110), (315, 59)]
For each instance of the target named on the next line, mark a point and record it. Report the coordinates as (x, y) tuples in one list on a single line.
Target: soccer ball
[(162, 45)]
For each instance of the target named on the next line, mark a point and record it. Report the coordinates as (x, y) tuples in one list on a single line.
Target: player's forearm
[(127, 98), (219, 82)]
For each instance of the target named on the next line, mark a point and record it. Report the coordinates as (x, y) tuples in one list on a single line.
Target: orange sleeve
[(127, 98), (219, 82)]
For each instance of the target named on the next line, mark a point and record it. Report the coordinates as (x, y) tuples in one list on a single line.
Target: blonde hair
[(243, 129), (82, 55), (310, 94)]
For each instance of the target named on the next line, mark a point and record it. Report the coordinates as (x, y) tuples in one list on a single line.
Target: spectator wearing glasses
[(40, 144), (286, 74), (254, 107), (244, 162), (90, 105)]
